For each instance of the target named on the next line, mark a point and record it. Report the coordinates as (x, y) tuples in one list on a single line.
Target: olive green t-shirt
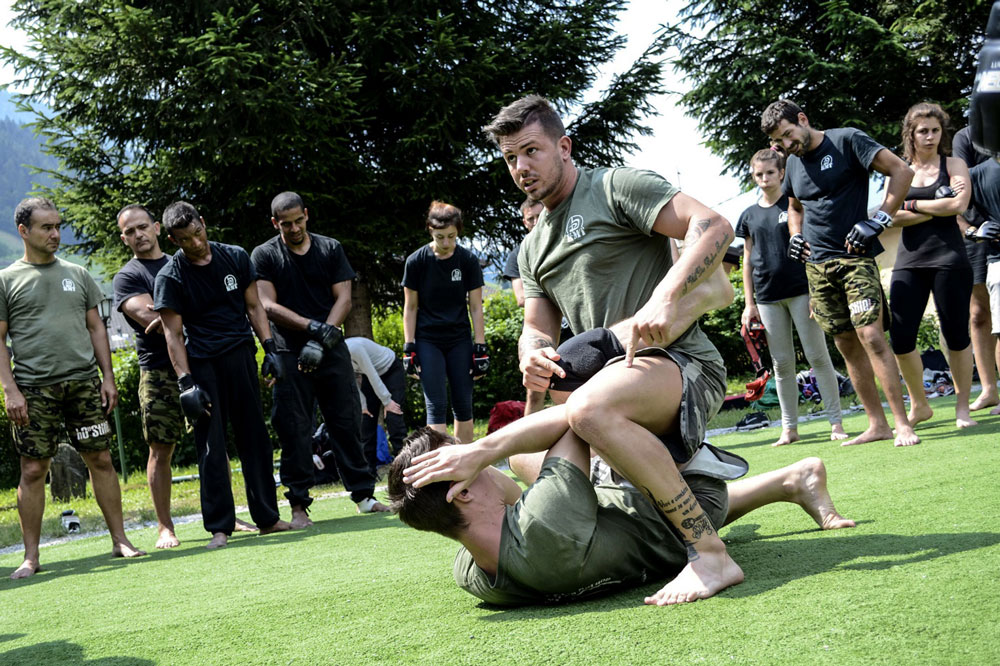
[(596, 256), (45, 307), (565, 539)]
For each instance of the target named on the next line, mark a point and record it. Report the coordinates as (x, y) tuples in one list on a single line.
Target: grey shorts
[(993, 286)]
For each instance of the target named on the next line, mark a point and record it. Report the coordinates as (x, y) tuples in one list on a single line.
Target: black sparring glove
[(410, 359), (270, 367), (797, 245), (862, 236), (582, 356), (327, 335), (944, 192), (310, 356), (195, 402), (480, 361), (987, 231)]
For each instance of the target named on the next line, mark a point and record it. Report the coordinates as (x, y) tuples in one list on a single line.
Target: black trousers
[(232, 384), (293, 417), (395, 380)]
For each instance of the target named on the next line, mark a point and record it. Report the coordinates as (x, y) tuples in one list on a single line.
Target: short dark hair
[(769, 155), (783, 109), (517, 115), (529, 203), (917, 113), (425, 508), (25, 209), (286, 201), (134, 206), (441, 215), (179, 215)]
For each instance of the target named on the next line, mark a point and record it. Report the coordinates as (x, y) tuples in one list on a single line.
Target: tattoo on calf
[(692, 553), (699, 526)]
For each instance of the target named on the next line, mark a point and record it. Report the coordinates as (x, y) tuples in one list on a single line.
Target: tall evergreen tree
[(368, 108), (860, 63)]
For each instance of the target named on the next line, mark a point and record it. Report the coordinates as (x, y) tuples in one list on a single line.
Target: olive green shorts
[(845, 293), (160, 406), (73, 407)]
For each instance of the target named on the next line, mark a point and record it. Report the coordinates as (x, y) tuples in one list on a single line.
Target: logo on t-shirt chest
[(826, 163), (574, 228), (783, 217), (456, 275), (230, 282), (68, 285)]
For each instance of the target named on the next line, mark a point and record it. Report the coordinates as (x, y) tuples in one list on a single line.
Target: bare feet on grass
[(837, 432), (280, 526), (710, 572), (872, 434), (300, 519), (807, 488), (985, 400), (219, 540), (905, 436), (167, 538), (995, 411), (125, 549), (787, 437), (27, 568), (962, 417), (244, 526), (919, 413)]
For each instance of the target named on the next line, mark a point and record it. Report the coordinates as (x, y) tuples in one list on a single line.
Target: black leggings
[(908, 293)]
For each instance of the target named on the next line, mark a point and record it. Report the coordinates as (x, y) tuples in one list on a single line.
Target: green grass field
[(914, 583)]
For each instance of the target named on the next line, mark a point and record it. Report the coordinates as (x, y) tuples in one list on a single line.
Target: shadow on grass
[(195, 547), (772, 564), (65, 653)]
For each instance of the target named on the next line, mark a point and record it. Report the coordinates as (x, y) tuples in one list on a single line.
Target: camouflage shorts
[(73, 407), (845, 293), (160, 405), (703, 390)]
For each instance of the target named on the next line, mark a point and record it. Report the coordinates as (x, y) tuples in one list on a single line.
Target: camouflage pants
[(845, 293), (72, 406), (160, 406)]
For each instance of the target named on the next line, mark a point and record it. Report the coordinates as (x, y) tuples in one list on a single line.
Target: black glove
[(943, 192), (480, 361), (310, 356), (271, 366), (796, 246), (987, 231), (327, 335), (862, 236), (410, 359), (195, 402), (582, 356)]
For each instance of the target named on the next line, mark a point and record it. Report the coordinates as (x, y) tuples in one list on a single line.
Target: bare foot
[(905, 436), (837, 432), (167, 538), (27, 568), (985, 400), (219, 540), (872, 434), (125, 549), (995, 411), (807, 488), (710, 573), (919, 413), (371, 505), (280, 526), (962, 417), (300, 519), (787, 437), (244, 526)]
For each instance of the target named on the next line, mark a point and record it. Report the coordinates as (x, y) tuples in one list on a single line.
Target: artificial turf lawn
[(914, 583)]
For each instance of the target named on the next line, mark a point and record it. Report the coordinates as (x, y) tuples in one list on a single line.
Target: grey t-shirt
[(45, 307), (596, 257), (831, 182), (565, 539)]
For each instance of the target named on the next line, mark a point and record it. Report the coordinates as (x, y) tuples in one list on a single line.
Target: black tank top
[(936, 243)]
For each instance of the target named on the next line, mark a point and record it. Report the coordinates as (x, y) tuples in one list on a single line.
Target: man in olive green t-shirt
[(49, 308)]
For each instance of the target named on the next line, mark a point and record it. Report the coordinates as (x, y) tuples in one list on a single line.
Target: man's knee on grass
[(425, 508)]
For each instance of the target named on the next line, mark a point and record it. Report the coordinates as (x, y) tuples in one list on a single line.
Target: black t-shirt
[(208, 298), (510, 269), (986, 196), (775, 276), (442, 286), (962, 148), (137, 277), (936, 243), (304, 283), (831, 182)]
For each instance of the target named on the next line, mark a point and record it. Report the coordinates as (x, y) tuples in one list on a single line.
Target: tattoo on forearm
[(529, 343), (699, 271)]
